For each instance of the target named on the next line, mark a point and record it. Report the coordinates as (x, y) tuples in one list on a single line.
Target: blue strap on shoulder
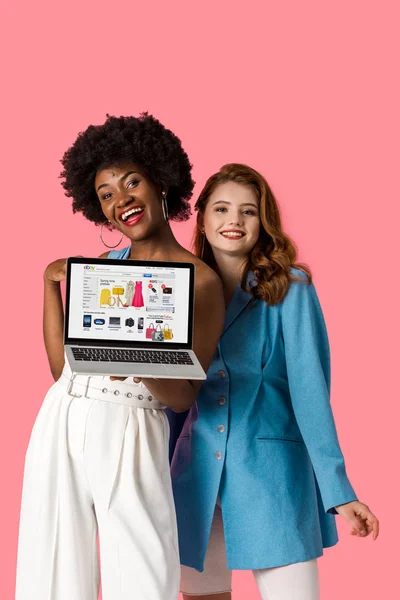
[(124, 253)]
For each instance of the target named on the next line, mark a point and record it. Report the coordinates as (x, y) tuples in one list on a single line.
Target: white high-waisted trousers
[(298, 581), (97, 462)]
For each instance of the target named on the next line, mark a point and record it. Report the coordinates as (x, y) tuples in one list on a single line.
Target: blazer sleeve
[(308, 371)]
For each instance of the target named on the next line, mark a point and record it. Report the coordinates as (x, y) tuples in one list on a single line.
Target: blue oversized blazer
[(262, 434)]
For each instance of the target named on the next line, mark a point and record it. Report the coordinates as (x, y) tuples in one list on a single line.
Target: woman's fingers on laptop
[(135, 379)]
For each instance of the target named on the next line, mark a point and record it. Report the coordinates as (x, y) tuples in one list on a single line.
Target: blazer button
[(221, 428), (221, 373), (218, 455), (222, 401)]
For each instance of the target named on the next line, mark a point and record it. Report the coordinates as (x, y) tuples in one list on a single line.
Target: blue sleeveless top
[(124, 253), (176, 420)]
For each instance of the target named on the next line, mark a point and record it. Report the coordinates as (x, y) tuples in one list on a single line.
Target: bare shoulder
[(104, 255), (207, 280)]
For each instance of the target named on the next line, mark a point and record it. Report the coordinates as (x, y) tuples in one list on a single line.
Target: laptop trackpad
[(151, 371)]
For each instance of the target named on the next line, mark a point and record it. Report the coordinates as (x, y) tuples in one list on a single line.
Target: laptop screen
[(129, 302)]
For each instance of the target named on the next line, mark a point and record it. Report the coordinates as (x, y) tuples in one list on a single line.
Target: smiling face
[(231, 219), (130, 200)]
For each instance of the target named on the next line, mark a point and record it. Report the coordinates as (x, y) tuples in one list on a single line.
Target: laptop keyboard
[(123, 355)]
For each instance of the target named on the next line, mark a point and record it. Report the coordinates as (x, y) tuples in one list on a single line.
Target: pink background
[(307, 92)]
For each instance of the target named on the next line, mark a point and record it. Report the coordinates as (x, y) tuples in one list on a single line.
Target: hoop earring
[(101, 237), (164, 206), (203, 243)]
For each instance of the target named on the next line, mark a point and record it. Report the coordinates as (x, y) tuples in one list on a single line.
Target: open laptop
[(130, 318)]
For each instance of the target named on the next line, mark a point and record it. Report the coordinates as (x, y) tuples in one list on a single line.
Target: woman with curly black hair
[(95, 463)]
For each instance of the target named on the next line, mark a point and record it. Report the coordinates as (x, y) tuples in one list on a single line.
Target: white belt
[(117, 392)]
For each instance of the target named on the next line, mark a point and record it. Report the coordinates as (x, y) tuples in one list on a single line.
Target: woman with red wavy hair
[(258, 473)]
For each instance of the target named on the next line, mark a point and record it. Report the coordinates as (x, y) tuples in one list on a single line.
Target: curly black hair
[(143, 140)]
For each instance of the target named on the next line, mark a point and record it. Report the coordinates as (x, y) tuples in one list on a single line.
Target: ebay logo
[(89, 267)]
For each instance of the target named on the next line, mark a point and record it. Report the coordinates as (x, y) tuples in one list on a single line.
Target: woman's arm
[(53, 316), (361, 519), (308, 370), (209, 315)]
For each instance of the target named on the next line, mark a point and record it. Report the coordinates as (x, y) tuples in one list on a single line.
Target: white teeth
[(232, 234), (128, 213)]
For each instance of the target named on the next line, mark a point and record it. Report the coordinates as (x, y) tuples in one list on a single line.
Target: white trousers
[(98, 464), (297, 581)]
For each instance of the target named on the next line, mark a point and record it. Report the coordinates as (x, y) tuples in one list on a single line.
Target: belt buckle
[(70, 386)]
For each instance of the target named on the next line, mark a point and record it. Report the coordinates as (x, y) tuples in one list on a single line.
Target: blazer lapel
[(240, 300)]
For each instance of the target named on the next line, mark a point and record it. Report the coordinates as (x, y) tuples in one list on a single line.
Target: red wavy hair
[(274, 254)]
